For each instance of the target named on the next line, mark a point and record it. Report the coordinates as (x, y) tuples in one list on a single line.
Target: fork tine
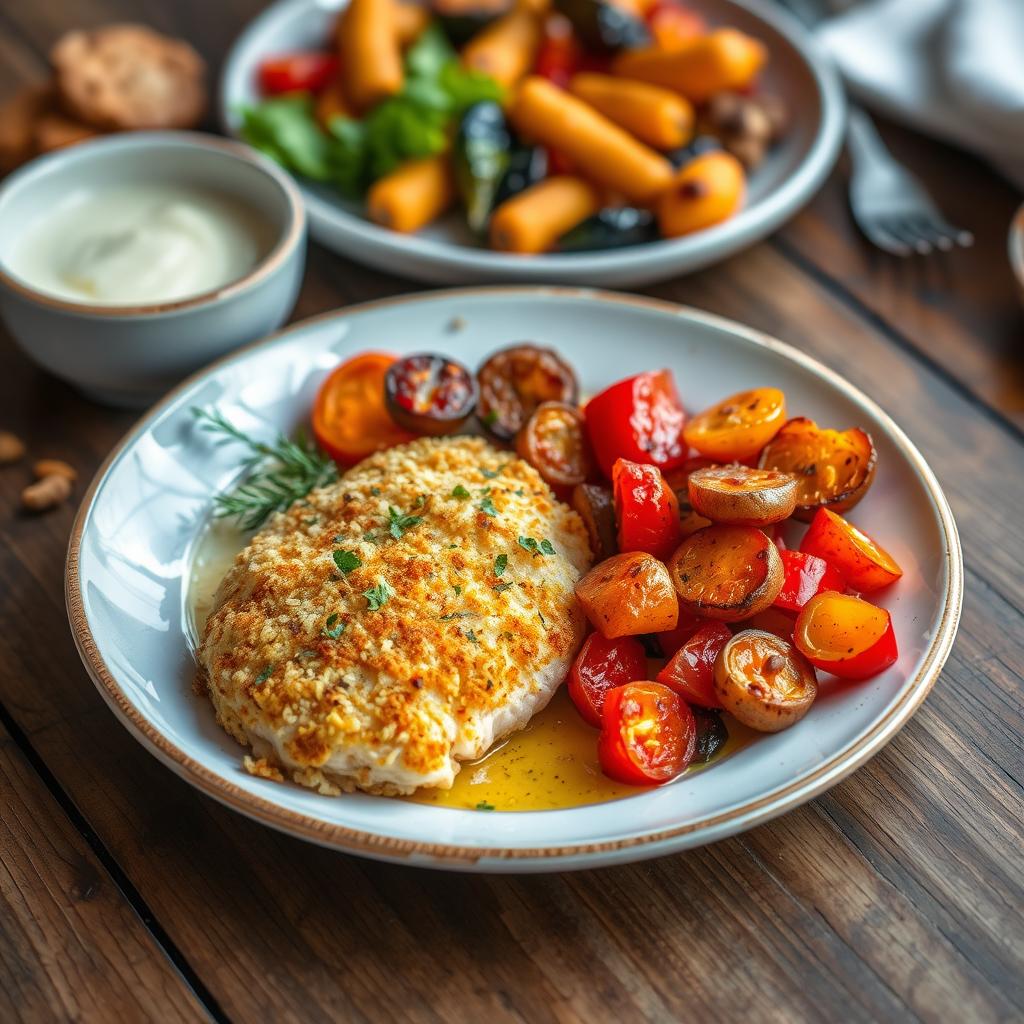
[(958, 236), (940, 234), (882, 239), (909, 231)]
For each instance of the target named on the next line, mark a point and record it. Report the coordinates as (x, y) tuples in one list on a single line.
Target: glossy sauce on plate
[(551, 764)]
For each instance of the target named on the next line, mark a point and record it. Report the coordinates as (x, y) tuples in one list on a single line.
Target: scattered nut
[(46, 493), (55, 467), (12, 447)]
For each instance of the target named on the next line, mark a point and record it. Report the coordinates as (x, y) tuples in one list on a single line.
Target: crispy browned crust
[(129, 77)]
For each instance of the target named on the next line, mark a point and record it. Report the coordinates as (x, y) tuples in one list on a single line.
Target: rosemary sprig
[(280, 473)]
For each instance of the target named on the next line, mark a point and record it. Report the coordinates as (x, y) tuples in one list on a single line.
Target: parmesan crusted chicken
[(400, 622)]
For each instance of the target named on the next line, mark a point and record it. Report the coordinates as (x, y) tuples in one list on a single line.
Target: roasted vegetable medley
[(555, 125), (698, 607)]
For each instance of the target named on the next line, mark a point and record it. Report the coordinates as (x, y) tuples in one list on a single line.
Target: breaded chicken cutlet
[(400, 621)]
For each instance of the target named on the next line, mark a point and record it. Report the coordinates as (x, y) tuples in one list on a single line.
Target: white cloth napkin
[(951, 68)]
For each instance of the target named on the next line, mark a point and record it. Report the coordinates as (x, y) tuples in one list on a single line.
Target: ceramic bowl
[(130, 355), (446, 253), (1016, 249), (139, 536)]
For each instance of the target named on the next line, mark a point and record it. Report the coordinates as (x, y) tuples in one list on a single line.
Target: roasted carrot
[(661, 118), (371, 58), (413, 196), (410, 20), (506, 48), (723, 59), (598, 148), (536, 218), (331, 103), (708, 190)]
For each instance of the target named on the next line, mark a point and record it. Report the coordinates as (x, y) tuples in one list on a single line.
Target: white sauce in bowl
[(140, 244)]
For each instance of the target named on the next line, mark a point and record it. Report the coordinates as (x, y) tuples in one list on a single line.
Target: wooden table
[(897, 896)]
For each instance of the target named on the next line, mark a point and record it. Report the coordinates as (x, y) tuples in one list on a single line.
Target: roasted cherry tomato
[(600, 666), (738, 427), (429, 394), (846, 636), (805, 576), (629, 594), (555, 443), (865, 565), (514, 381), (834, 468), (672, 25), (596, 508), (764, 682), (297, 72), (648, 735), (559, 54), (646, 509), (690, 672), (671, 640), (640, 419), (350, 419)]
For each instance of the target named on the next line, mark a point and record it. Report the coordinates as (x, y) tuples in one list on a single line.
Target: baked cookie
[(18, 118), (128, 76)]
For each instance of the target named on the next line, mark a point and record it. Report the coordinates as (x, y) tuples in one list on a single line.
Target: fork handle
[(866, 145)]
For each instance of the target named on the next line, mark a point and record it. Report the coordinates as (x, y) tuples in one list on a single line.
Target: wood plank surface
[(894, 897)]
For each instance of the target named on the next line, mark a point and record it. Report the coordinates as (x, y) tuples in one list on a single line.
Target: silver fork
[(889, 204)]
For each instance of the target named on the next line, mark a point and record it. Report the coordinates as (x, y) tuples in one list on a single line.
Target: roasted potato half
[(727, 572), (742, 496), (629, 594), (765, 682)]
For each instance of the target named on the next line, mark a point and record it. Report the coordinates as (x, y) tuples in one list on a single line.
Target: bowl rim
[(1015, 244), (587, 854), (662, 256), (288, 238)]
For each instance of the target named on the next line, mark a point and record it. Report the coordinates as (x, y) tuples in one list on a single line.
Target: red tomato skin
[(806, 575), (600, 666), (559, 54), (646, 510), (867, 663), (675, 720), (690, 671), (297, 72), (640, 419), (671, 640), (826, 534)]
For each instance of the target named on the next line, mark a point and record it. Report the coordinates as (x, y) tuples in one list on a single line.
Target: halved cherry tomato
[(805, 576), (297, 72), (629, 594), (865, 565), (738, 427), (429, 394), (691, 670), (600, 666), (554, 442), (764, 682), (834, 468), (846, 636), (640, 419), (560, 53), (646, 509), (648, 735), (672, 25), (596, 507), (515, 380), (350, 419)]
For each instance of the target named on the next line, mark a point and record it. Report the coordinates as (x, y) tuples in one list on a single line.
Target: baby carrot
[(410, 20), (412, 196), (724, 59), (598, 148), (371, 58), (706, 191), (536, 218), (661, 118), (506, 48)]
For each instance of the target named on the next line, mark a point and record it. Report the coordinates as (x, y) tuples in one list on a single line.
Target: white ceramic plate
[(445, 254), (137, 529)]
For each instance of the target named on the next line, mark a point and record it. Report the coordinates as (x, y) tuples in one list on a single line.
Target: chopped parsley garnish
[(346, 561), (458, 491), (535, 547), (490, 474), (490, 417), (399, 522), (502, 587), (456, 615), (500, 563), (311, 521), (264, 675), (378, 596), (487, 507), (484, 806), (472, 638), (333, 628), (519, 492), (375, 491), (457, 589)]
